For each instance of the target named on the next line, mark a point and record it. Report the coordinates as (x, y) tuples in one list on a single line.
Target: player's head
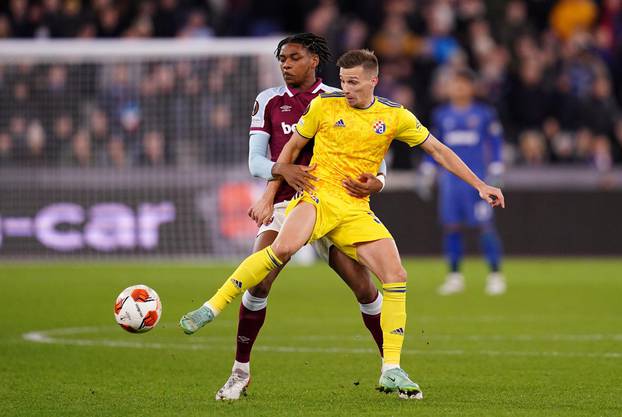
[(358, 72), (462, 86), (300, 56)]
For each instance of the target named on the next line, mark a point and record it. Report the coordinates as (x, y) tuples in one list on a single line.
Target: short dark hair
[(313, 43), (363, 57)]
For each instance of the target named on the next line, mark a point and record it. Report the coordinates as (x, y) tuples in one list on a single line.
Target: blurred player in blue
[(472, 131)]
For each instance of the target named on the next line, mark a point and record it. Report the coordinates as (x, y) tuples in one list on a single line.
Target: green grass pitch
[(552, 346)]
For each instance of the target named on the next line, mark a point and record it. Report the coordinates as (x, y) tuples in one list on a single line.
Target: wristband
[(382, 179)]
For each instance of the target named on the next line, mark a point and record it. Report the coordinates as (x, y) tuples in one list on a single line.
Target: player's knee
[(283, 250), (397, 274)]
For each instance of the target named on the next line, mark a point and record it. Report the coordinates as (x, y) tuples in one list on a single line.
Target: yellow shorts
[(344, 224)]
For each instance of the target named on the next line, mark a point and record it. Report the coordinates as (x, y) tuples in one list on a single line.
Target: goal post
[(118, 148)]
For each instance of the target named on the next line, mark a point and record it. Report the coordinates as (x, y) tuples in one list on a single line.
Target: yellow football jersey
[(351, 141)]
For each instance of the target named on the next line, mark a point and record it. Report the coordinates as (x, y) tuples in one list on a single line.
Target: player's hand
[(365, 185), (261, 211), (492, 195), (299, 177)]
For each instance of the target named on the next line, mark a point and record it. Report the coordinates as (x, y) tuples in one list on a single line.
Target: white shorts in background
[(321, 246)]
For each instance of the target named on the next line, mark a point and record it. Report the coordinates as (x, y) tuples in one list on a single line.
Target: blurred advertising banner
[(82, 219), (202, 214)]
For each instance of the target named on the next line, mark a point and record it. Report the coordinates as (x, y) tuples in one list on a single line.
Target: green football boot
[(396, 379), (194, 320)]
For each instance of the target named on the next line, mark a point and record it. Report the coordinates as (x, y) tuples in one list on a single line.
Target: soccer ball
[(138, 309)]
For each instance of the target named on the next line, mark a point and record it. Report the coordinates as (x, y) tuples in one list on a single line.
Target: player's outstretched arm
[(298, 176), (452, 162)]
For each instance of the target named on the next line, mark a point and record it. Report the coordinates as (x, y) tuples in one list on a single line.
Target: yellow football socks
[(393, 321), (250, 273)]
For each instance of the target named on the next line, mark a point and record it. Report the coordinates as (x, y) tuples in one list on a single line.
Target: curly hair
[(313, 43)]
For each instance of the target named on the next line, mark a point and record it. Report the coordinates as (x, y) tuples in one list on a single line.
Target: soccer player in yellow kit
[(353, 130)]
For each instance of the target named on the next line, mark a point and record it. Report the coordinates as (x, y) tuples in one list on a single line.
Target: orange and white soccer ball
[(138, 309)]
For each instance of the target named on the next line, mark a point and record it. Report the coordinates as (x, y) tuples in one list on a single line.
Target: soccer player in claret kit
[(352, 131), (275, 112)]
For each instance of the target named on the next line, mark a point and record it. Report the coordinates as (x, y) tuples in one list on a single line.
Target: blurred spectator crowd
[(126, 114), (552, 69)]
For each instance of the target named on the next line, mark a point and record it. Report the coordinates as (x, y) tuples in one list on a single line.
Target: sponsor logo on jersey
[(285, 108), (287, 129), (462, 138), (340, 123), (379, 127)]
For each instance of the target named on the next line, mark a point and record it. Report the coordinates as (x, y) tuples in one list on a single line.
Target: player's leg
[(254, 304), (491, 246), (451, 215), (357, 277), (383, 259), (453, 247), (295, 233), (251, 318), (482, 218)]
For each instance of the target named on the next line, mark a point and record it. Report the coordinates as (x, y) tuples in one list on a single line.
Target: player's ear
[(316, 60), (374, 80)]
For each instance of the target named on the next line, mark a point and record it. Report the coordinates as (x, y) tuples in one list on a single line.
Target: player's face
[(461, 90), (297, 64), (358, 85)]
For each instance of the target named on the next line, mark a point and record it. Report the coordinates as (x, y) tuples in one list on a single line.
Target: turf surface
[(552, 346)]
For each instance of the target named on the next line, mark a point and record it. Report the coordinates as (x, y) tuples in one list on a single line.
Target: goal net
[(125, 148)]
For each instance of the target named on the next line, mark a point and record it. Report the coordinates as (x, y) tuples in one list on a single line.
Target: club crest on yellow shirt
[(379, 127)]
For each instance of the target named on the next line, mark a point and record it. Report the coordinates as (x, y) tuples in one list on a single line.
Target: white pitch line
[(586, 337), (47, 337)]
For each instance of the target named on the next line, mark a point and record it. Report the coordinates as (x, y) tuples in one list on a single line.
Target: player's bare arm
[(450, 161), (298, 176)]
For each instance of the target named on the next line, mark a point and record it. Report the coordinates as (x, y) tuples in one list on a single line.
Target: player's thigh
[(450, 205), (296, 230), (355, 275), (262, 241), (355, 227), (361, 233), (383, 259)]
